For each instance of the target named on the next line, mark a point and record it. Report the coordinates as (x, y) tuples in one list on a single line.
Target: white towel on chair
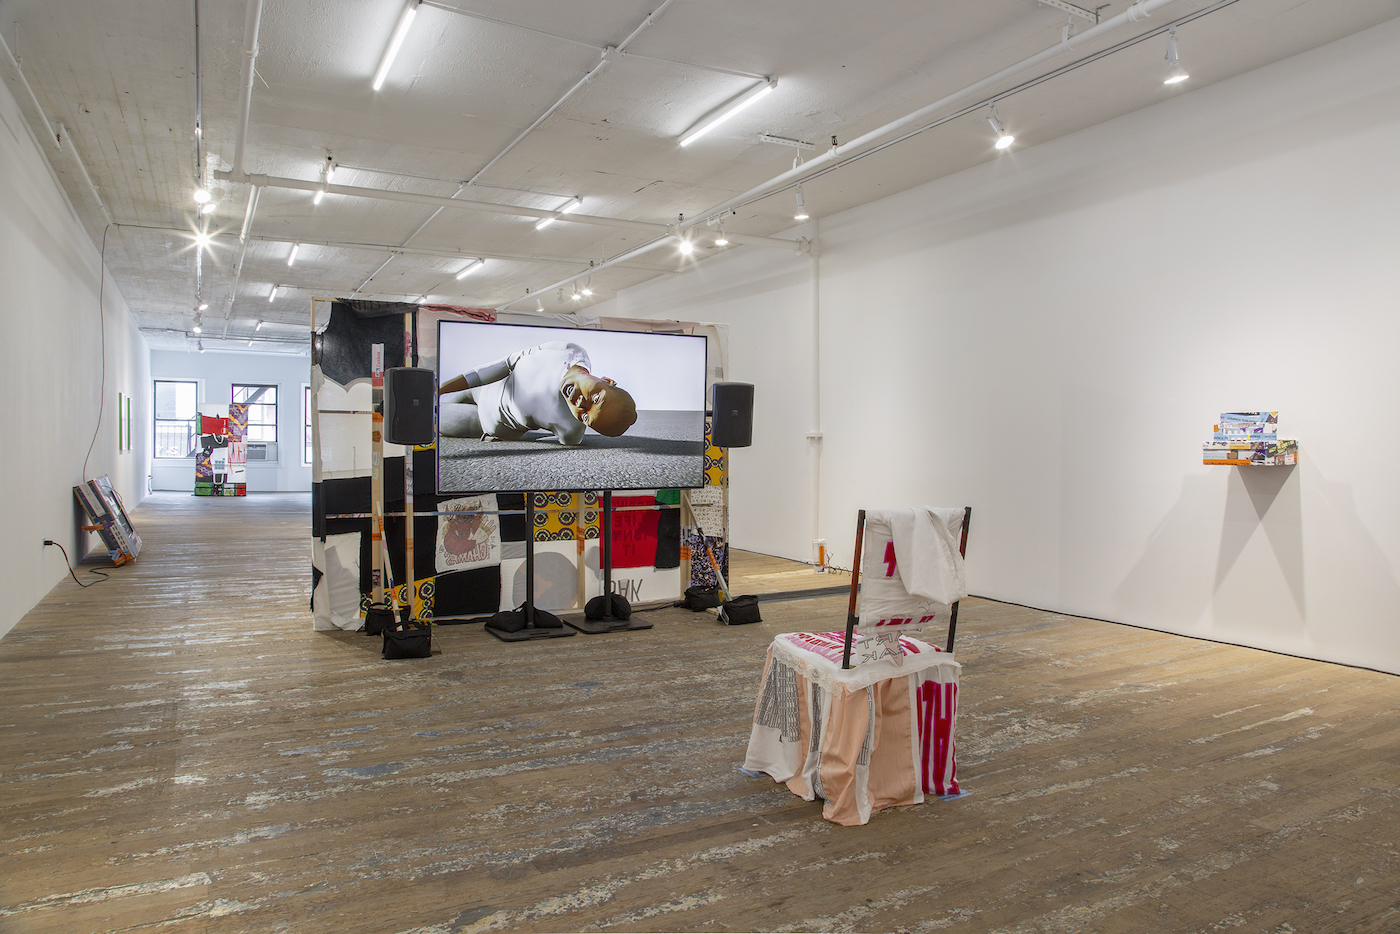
[(926, 540), (912, 572)]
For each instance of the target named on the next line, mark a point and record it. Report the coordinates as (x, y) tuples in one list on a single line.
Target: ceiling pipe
[(251, 19), (615, 261), (409, 251), (1135, 13), (490, 207), (592, 73)]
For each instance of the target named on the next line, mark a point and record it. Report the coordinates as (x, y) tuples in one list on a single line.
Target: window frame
[(156, 420), (306, 449)]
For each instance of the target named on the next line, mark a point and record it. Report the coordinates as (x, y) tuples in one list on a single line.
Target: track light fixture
[(576, 295), (329, 174), (588, 285), (292, 257), (801, 213), (721, 240), (539, 306), (202, 195), (470, 268), (209, 207), (202, 306), (1175, 73), (573, 205), (726, 110), (1004, 139), (202, 240), (395, 41), (200, 345), (198, 327), (686, 246)]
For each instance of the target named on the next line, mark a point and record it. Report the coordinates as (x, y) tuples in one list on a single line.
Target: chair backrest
[(922, 581)]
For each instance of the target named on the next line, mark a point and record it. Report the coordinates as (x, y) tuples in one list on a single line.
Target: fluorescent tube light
[(395, 40), (316, 198), (273, 294), (258, 326), (726, 110), (470, 268), (292, 258), (569, 208)]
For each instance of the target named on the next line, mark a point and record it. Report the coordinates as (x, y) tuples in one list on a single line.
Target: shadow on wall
[(1317, 596)]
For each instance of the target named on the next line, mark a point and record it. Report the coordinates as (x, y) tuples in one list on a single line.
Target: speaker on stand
[(731, 419), (408, 404)]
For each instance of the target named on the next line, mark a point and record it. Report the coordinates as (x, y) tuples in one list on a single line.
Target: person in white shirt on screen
[(545, 387)]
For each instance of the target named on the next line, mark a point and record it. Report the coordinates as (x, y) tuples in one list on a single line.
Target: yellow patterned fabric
[(562, 517), (715, 461)]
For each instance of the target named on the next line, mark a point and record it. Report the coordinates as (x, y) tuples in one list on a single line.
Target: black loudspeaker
[(408, 405), (731, 425)]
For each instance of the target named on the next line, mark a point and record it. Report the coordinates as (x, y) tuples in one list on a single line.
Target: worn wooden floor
[(182, 753)]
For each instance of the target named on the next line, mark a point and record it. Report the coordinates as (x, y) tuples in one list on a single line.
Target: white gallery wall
[(1049, 337), (216, 373), (54, 382)]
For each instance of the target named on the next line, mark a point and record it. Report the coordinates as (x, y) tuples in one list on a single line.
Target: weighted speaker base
[(595, 626)]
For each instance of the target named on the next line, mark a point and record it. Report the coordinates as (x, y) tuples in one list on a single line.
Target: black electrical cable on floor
[(102, 575), (102, 391)]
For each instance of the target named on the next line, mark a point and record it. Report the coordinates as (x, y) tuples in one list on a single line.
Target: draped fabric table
[(875, 736)]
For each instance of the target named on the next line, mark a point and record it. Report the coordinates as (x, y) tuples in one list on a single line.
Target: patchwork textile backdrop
[(469, 549)]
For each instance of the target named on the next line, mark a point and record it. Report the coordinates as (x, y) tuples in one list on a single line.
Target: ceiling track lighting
[(539, 306), (686, 246), (721, 240), (395, 41), (292, 257), (588, 286), (576, 295), (202, 306), (801, 213), (202, 195), (1175, 73), (209, 207), (726, 110), (329, 175), (573, 205), (200, 345), (1004, 139), (471, 267), (198, 327)]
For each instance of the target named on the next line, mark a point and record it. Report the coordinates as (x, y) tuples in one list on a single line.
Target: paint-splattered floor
[(182, 753)]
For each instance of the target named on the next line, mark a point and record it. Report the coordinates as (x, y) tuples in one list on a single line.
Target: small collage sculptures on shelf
[(1246, 439)]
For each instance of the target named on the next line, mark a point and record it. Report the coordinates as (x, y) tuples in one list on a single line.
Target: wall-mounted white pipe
[(252, 17), (14, 76), (490, 207), (615, 261), (1135, 13)]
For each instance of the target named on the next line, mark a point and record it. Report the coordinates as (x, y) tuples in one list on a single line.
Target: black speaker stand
[(531, 631), (608, 623)]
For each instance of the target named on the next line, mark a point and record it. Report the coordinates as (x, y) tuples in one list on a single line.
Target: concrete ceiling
[(121, 79)]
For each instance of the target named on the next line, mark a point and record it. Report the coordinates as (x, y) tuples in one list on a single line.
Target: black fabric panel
[(318, 511), (354, 326), (512, 527), (393, 485), (465, 593), (425, 475), (347, 495), (316, 576), (342, 526), (393, 533), (424, 546), (668, 539)]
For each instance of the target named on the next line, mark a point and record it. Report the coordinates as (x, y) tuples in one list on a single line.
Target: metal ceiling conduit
[(252, 17), (615, 261), (489, 207), (591, 74), (1139, 11)]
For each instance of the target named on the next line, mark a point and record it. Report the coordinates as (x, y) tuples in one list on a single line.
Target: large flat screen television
[(523, 408)]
